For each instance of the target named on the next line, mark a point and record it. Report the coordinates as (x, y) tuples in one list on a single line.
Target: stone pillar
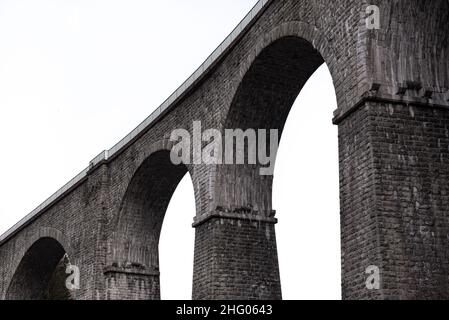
[(132, 284), (236, 256), (394, 174)]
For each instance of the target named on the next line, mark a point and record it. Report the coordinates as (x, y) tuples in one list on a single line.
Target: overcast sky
[(77, 76)]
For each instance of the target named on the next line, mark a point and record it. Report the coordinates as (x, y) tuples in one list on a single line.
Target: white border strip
[(184, 88)]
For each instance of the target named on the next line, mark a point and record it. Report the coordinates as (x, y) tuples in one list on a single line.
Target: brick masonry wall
[(411, 160), (394, 201), (241, 260), (211, 102), (411, 45), (357, 204)]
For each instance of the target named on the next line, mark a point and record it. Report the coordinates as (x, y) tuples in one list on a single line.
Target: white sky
[(77, 76)]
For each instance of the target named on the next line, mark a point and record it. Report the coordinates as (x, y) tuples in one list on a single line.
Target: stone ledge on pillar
[(236, 255), (242, 214), (423, 97), (130, 271)]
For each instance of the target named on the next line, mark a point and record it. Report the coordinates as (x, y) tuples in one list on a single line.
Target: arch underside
[(41, 273), (263, 101), (132, 270), (136, 232)]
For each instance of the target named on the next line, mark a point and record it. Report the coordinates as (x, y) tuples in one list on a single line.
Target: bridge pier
[(236, 257), (394, 173), (132, 284)]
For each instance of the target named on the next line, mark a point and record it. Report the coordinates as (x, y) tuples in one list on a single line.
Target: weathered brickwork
[(395, 186), (132, 285), (358, 240), (236, 246), (391, 88), (411, 153)]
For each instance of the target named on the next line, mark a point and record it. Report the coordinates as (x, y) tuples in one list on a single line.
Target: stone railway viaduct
[(393, 118)]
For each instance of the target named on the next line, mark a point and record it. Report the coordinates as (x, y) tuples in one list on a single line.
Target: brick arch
[(132, 253), (158, 146), (309, 33), (34, 265), (269, 82)]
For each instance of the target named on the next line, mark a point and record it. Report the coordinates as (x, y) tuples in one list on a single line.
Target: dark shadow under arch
[(272, 84), (263, 100), (134, 245), (41, 273)]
